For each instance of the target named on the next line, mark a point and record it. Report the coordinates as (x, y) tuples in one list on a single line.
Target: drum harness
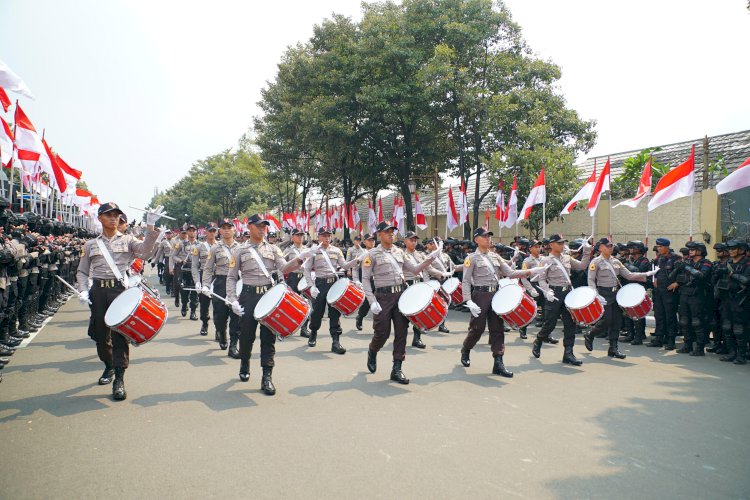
[(396, 267), (111, 263), (492, 268), (564, 271), (612, 270)]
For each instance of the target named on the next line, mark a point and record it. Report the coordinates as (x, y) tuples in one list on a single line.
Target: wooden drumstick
[(70, 286)]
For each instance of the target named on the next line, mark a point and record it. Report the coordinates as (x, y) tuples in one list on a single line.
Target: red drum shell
[(584, 305), (423, 306), (345, 296), (136, 315), (633, 301), (516, 307), (283, 310), (454, 288), (137, 266)]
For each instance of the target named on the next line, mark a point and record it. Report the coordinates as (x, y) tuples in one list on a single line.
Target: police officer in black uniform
[(718, 344), (637, 262), (733, 285), (692, 281), (665, 298)]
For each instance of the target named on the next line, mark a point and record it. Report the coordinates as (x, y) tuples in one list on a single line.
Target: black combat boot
[(465, 360), (613, 352), (245, 370), (183, 311), (731, 354), (499, 368), (358, 324), (397, 375), (118, 388), (313, 340), (336, 347), (686, 348), (442, 328), (107, 375), (193, 316), (266, 383), (588, 341), (698, 350), (233, 352), (536, 347), (741, 358), (669, 344), (372, 360), (656, 342), (551, 340), (204, 330), (570, 358), (522, 333), (222, 337), (417, 342)]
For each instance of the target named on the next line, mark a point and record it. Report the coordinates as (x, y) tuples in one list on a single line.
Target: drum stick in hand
[(212, 293), (70, 286)]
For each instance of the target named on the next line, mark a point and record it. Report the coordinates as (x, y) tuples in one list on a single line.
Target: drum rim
[(497, 294), (440, 285), (276, 305), (302, 279), (452, 279), (638, 286), (132, 310), (415, 286), (586, 289), (343, 291)]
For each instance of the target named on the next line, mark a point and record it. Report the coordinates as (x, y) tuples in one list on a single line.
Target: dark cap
[(108, 207), (183, 231), (191, 226), (557, 238), (123, 218), (168, 231), (736, 243), (480, 231), (324, 230), (684, 250), (213, 229), (545, 241), (524, 242), (226, 222), (720, 247), (384, 226), (604, 241), (576, 244), (296, 231), (663, 242), (358, 238), (257, 219), (411, 235), (533, 243), (368, 236)]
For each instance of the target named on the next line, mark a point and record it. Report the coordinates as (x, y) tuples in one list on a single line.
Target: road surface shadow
[(376, 384), (216, 399), (61, 404)]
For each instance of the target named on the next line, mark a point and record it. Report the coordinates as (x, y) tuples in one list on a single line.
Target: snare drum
[(438, 287), (634, 302), (513, 305), (282, 310), (345, 296), (454, 289), (136, 315), (584, 305), (423, 306), (137, 266), (304, 287), (507, 281)]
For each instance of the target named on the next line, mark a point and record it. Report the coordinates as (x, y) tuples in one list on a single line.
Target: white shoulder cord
[(260, 262), (111, 263)]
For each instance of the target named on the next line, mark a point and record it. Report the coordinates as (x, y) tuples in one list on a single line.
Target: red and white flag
[(48, 163), (500, 203), (677, 183), (421, 220), (4, 100), (237, 225), (450, 210), (394, 220), (12, 82), (537, 195), (738, 179), (463, 205), (372, 219), (400, 216), (511, 213), (487, 220), (644, 188), (28, 142), (354, 215), (602, 184), (6, 144), (82, 198), (583, 194), (381, 215), (274, 225), (287, 220)]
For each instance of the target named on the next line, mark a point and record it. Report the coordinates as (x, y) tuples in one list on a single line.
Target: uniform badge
[(278, 252), (592, 267), (83, 251), (524, 267), (195, 250), (367, 262), (467, 262), (232, 262)]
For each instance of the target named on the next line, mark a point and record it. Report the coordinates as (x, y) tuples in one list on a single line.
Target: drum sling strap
[(564, 271), (261, 264), (491, 266), (111, 263), (392, 260), (328, 261), (612, 270)]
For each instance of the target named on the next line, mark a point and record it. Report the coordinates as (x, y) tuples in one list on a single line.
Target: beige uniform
[(558, 272), (386, 268), (319, 265), (200, 253), (217, 261), (244, 265), (605, 273), (484, 269), (122, 247)]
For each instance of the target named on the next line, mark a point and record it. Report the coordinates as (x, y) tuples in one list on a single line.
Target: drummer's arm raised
[(580, 265), (286, 267), (509, 272), (415, 269), (143, 249), (233, 275)]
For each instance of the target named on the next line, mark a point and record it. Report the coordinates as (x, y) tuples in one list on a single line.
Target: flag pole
[(691, 216), (544, 207), (609, 215)]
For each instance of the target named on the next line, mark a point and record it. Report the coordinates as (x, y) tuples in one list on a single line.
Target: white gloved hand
[(447, 275), (83, 297), (237, 308), (436, 253), (154, 215), (375, 308), (474, 309), (357, 283), (308, 252), (602, 300), (198, 286), (550, 296), (534, 293), (314, 292), (206, 291), (536, 271), (654, 270)]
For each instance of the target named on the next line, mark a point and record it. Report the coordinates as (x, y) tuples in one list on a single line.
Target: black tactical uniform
[(694, 279)]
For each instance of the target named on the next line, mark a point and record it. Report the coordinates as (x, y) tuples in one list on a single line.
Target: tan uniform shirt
[(319, 265), (217, 261), (292, 252), (379, 265), (477, 272), (558, 273), (198, 262), (244, 265), (604, 272), (178, 253), (123, 248), (165, 248), (417, 258)]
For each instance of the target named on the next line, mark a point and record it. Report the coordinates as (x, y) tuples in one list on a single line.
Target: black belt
[(256, 290), (564, 288), (612, 289), (326, 281), (489, 288), (111, 283), (391, 289), (415, 280)]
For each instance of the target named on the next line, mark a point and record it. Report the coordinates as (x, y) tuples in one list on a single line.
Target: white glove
[(474, 309), (198, 287), (83, 297), (206, 291), (237, 308), (435, 254), (550, 296), (602, 300), (357, 283), (536, 271), (375, 308), (154, 215), (314, 292), (308, 252), (534, 293), (654, 270), (447, 275)]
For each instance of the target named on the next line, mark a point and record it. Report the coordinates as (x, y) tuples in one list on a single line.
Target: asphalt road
[(655, 425)]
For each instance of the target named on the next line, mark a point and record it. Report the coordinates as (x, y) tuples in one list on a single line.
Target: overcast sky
[(134, 92)]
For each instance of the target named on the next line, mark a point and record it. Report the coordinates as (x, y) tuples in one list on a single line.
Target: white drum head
[(451, 284), (302, 284), (631, 295), (415, 298), (270, 301), (238, 288), (507, 299), (123, 306), (134, 281), (580, 297), (337, 290), (507, 281), (435, 284)]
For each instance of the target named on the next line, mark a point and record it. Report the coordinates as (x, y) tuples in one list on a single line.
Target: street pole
[(435, 208)]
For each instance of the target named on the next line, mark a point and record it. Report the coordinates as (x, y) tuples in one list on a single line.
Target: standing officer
[(176, 257), (325, 264), (665, 300), (531, 261), (369, 242), (215, 271), (201, 250), (692, 280), (385, 265), (719, 272), (186, 280), (637, 263), (555, 283), (734, 288), (482, 270), (294, 277), (604, 277), (254, 262), (105, 260), (162, 261)]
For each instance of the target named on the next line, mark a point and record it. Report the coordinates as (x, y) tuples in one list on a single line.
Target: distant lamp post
[(412, 186), (309, 214), (707, 237)]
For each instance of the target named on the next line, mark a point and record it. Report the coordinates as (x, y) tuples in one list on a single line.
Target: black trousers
[(556, 309), (113, 349), (693, 316), (166, 277), (248, 328), (382, 325), (636, 328), (487, 318), (612, 319), (293, 280), (665, 312), (734, 322), (204, 303), (319, 308), (187, 282), (222, 312)]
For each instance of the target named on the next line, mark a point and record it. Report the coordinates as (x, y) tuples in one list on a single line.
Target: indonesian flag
[(463, 204), (287, 220), (318, 219), (537, 195), (82, 198), (500, 203), (602, 184), (4, 101), (450, 210), (644, 188), (274, 225), (583, 194), (354, 216), (48, 163), (11, 81), (28, 143), (511, 213), (487, 220), (394, 220), (381, 216), (372, 219), (400, 216), (421, 220), (72, 176), (6, 144), (677, 183), (738, 179)]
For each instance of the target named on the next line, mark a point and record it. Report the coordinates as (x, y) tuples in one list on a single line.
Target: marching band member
[(186, 280), (201, 251), (369, 242), (556, 284), (176, 257), (480, 282), (105, 260), (385, 265), (411, 253), (294, 277), (254, 261), (442, 269)]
